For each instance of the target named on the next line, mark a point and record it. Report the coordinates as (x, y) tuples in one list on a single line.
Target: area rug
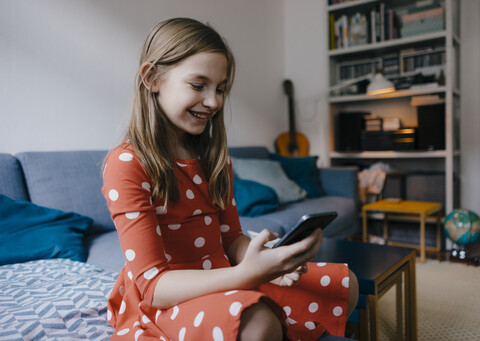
[(448, 303)]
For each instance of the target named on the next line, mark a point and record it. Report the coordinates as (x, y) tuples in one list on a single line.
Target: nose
[(212, 100)]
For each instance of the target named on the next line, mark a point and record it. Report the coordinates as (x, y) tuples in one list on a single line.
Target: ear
[(147, 72)]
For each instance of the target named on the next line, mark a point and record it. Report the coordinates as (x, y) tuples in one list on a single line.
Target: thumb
[(263, 237)]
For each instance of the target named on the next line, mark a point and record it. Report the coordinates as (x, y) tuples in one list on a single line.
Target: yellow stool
[(421, 208)]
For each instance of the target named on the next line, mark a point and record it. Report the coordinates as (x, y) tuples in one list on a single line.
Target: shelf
[(396, 94), (389, 154), (350, 4), (421, 38)]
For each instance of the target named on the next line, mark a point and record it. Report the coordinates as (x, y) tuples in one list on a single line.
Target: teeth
[(199, 115)]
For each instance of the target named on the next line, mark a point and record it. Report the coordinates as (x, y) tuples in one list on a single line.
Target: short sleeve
[(127, 189)]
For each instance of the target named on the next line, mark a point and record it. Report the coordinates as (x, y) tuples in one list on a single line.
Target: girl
[(190, 273)]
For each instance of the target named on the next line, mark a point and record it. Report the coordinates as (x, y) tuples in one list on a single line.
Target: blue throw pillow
[(29, 232), (253, 198), (304, 172)]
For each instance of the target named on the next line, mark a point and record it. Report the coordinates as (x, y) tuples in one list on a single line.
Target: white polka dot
[(125, 157), (149, 274), (138, 333), (136, 324), (113, 195), (199, 242), (159, 231), (190, 194), (145, 319), (130, 255), (310, 325), (337, 311), (157, 314), (132, 215), (121, 290), (287, 310), (182, 164), (168, 257), (162, 338), (174, 226), (109, 315), (181, 334), (235, 308), (208, 220), (197, 179), (123, 331), (198, 319), (161, 210), (321, 264), (205, 257), (290, 321), (313, 307), (346, 282), (325, 281), (234, 203), (231, 292), (175, 313), (207, 265), (224, 228), (129, 274), (146, 186), (197, 212), (217, 334), (123, 307)]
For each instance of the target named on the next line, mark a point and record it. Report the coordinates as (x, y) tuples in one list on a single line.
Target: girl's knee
[(259, 322)]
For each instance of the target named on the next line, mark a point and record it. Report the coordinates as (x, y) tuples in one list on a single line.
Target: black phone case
[(305, 226)]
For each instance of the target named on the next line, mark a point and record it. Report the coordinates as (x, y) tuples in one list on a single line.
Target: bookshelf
[(422, 62)]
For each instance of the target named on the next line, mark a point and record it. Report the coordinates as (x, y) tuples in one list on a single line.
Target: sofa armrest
[(340, 181)]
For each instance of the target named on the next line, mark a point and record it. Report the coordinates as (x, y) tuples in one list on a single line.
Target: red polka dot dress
[(193, 233)]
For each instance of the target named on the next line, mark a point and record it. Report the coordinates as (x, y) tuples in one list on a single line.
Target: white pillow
[(269, 173)]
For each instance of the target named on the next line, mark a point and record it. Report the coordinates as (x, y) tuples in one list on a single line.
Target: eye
[(197, 86), (220, 91)]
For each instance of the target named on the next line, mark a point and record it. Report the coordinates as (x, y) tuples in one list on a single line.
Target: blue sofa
[(72, 180), (66, 299)]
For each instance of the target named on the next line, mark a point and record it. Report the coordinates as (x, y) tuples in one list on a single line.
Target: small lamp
[(379, 85)]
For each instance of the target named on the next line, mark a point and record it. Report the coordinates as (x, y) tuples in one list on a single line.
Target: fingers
[(263, 237)]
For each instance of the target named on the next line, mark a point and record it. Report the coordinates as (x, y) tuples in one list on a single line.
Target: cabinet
[(419, 52)]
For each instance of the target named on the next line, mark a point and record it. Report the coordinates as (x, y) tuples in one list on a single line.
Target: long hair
[(151, 133)]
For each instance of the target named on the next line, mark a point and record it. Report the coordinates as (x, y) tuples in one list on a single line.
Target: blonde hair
[(150, 131)]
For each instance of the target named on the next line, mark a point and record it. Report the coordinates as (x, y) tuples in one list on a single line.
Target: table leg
[(439, 236), (373, 317), (385, 227), (410, 299), (364, 225), (399, 304), (422, 238)]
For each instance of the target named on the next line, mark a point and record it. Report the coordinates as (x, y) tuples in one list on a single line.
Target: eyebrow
[(205, 78)]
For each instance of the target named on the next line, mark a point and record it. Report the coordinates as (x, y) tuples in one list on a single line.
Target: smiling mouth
[(200, 116)]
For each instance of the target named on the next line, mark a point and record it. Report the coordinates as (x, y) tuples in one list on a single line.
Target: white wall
[(67, 68)]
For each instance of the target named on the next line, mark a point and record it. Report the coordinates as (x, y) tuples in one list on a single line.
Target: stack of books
[(423, 19), (373, 123)]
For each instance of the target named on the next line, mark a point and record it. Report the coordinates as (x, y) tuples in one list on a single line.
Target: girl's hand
[(261, 264), (291, 279)]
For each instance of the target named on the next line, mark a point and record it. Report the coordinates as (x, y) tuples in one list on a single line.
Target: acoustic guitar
[(291, 143)]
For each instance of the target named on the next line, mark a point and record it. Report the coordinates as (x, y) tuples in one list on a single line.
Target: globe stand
[(462, 255)]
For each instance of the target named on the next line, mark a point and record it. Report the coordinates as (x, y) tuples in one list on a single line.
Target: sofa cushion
[(104, 251), (29, 232), (253, 198), (304, 171), (271, 174), (11, 178), (68, 181)]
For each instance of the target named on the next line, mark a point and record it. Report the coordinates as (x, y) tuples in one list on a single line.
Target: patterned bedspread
[(56, 299)]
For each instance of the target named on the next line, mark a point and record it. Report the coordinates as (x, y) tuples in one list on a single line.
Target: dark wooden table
[(378, 268)]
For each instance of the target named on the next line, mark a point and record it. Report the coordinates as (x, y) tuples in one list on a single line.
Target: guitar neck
[(291, 120)]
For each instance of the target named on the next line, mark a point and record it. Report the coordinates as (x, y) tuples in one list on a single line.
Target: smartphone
[(305, 226)]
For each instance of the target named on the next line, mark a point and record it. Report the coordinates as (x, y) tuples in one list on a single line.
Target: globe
[(462, 226)]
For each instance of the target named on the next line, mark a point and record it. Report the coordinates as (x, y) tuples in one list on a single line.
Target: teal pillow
[(252, 198), (304, 171), (29, 232), (271, 174)]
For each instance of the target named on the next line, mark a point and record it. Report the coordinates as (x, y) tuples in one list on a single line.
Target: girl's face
[(192, 92)]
